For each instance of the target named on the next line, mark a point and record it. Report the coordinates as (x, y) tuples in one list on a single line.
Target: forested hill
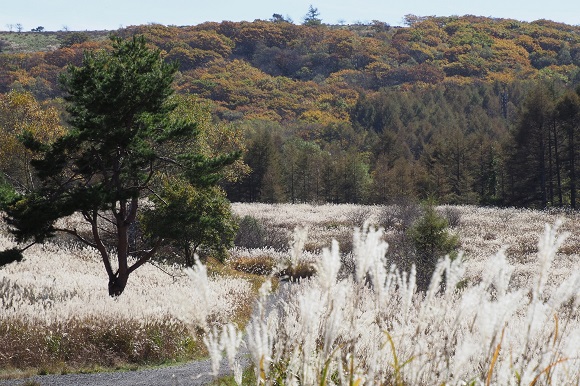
[(366, 113)]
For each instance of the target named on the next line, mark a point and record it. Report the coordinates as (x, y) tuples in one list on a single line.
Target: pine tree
[(312, 17), (529, 155), (431, 241), (119, 103)]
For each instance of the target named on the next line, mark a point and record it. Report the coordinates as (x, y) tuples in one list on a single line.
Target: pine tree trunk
[(117, 284)]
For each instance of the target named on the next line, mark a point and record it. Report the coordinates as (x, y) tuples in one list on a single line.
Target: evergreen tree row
[(472, 144)]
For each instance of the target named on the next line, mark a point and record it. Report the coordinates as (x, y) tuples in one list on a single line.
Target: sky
[(81, 15)]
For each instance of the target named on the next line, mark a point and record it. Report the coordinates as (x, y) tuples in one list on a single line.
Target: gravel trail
[(194, 373)]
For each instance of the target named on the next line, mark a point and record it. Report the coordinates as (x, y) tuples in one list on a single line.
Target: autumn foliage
[(425, 110)]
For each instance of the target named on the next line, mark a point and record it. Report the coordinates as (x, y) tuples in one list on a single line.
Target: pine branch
[(75, 233)]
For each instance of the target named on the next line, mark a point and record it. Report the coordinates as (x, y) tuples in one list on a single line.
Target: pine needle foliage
[(432, 241), (119, 105)]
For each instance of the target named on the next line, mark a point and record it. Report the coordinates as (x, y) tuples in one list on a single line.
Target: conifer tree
[(529, 157), (119, 141), (568, 114), (432, 241)]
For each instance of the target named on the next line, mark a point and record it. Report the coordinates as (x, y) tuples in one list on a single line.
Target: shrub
[(256, 265), (397, 220), (73, 38), (7, 193), (250, 233), (302, 270), (86, 343), (400, 216), (431, 241), (452, 215), (253, 233), (359, 216)]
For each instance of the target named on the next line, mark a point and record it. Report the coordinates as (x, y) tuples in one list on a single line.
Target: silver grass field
[(505, 312)]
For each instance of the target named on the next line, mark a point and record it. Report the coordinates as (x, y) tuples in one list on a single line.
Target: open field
[(500, 318)]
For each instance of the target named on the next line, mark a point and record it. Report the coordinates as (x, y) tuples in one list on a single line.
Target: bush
[(7, 193), (293, 273), (258, 265), (453, 216), (73, 38), (397, 220), (400, 216), (253, 234), (250, 233), (431, 241), (89, 343), (359, 216)]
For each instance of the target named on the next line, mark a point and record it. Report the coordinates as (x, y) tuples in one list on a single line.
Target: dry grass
[(61, 320), (256, 265), (56, 315), (507, 323), (92, 344)]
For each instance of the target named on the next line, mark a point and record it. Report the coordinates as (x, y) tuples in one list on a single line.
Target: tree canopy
[(117, 146), (427, 110)]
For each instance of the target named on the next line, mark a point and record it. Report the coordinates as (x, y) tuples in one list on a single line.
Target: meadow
[(504, 312)]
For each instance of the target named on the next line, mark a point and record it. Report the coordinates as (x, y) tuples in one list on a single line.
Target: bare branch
[(104, 218), (142, 260), (158, 196), (174, 277), (75, 233), (28, 246)]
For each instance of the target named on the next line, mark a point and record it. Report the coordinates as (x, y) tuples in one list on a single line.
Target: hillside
[(424, 110), (250, 63)]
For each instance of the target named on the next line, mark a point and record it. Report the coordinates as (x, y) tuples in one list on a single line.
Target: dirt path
[(190, 374)]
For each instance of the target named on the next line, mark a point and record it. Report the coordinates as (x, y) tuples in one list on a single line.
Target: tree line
[(130, 139), (473, 144)]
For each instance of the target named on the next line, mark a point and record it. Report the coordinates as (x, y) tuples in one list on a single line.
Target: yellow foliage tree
[(20, 113)]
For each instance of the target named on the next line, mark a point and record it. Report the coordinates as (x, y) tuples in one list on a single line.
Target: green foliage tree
[(119, 108), (72, 38), (7, 195), (312, 17), (530, 155), (20, 112), (432, 241), (190, 218), (568, 114)]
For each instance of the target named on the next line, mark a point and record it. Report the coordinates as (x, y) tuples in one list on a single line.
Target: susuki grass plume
[(55, 314), (506, 314), (375, 328)]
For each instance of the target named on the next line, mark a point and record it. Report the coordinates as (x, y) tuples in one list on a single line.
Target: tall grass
[(56, 315), (503, 313), (373, 327)]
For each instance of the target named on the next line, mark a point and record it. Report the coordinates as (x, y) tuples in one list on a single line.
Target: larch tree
[(568, 114), (529, 156), (121, 139)]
